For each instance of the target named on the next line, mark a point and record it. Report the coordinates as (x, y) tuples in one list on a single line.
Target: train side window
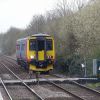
[(18, 47), (32, 44), (22, 46), (49, 45)]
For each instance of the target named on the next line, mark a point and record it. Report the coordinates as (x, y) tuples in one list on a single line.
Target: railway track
[(71, 97), (5, 74), (23, 83), (4, 86), (18, 70), (80, 90), (72, 89), (52, 91)]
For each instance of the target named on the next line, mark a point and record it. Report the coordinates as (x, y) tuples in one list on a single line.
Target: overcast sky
[(19, 13)]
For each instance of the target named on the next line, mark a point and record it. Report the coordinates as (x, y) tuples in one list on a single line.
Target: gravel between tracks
[(18, 93), (50, 92), (87, 95)]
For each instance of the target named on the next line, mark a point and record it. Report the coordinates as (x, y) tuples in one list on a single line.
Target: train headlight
[(32, 57), (50, 57)]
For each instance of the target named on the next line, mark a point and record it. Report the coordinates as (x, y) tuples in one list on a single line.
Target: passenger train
[(36, 52)]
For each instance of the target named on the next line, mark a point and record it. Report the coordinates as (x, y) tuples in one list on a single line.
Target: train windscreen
[(32, 43), (49, 45), (41, 45)]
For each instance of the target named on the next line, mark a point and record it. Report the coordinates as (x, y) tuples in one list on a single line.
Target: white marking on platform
[(1, 98)]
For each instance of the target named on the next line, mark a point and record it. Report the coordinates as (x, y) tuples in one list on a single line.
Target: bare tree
[(63, 7), (37, 24), (81, 3)]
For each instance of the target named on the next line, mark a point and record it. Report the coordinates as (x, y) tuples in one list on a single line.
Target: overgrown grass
[(93, 85)]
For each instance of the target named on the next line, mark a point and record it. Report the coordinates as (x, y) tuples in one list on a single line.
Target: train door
[(41, 49)]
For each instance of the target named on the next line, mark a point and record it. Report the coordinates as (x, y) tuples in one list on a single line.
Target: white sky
[(19, 13)]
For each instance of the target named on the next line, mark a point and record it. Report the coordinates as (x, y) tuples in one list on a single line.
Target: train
[(36, 52)]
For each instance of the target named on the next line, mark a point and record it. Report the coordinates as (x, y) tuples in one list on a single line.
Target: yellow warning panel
[(41, 55), (32, 67)]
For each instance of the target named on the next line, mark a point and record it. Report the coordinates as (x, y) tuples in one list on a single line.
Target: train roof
[(40, 34), (35, 35), (22, 39)]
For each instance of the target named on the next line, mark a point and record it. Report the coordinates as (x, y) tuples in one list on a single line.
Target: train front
[(41, 52)]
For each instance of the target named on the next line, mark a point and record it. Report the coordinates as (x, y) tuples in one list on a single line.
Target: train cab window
[(49, 45), (32, 44), (41, 45)]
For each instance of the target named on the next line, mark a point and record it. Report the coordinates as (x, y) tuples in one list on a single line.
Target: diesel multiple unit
[(36, 52)]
